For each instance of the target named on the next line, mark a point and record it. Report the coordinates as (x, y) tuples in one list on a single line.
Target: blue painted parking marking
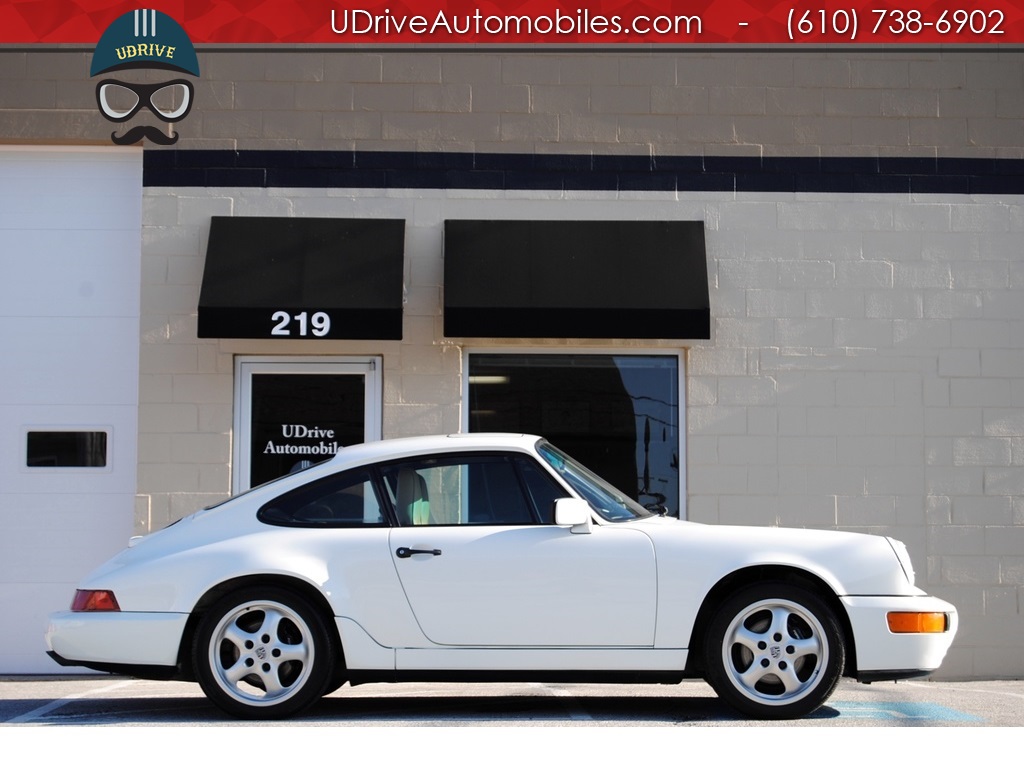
[(901, 711)]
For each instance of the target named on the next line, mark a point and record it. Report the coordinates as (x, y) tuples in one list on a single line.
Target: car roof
[(382, 450)]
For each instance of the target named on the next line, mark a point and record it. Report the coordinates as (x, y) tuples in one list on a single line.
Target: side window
[(542, 489), (344, 500), (459, 490)]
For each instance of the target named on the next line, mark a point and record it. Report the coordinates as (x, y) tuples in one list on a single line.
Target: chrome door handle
[(405, 552)]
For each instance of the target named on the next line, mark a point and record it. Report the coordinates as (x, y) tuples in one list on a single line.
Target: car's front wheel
[(263, 653), (774, 651)]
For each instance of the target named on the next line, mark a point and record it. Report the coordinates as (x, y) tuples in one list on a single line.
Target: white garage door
[(70, 251)]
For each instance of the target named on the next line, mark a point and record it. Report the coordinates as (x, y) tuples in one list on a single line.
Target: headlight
[(900, 550)]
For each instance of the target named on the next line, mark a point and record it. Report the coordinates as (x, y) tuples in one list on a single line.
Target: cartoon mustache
[(140, 132)]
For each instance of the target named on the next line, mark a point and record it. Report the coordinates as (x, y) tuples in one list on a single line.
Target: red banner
[(527, 22)]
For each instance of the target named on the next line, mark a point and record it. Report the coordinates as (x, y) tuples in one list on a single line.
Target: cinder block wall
[(865, 369), (865, 373), (841, 102)]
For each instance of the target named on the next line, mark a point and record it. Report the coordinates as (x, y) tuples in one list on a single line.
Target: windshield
[(609, 502)]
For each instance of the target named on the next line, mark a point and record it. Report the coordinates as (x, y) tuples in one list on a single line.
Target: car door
[(482, 565)]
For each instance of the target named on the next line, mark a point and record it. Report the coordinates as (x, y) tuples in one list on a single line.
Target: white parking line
[(984, 691), (46, 709)]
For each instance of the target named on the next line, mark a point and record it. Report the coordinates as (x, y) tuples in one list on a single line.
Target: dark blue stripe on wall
[(444, 170)]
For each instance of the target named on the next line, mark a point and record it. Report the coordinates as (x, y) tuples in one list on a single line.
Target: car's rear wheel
[(774, 651), (263, 653)]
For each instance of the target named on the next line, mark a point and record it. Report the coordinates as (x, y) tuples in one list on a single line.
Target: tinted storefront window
[(617, 414)]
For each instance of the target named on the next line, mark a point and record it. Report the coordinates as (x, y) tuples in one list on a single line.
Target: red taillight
[(94, 600)]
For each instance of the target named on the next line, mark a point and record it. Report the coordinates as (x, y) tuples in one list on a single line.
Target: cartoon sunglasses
[(120, 101)]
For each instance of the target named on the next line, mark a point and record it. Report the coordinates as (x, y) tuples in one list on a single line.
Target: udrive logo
[(144, 40)]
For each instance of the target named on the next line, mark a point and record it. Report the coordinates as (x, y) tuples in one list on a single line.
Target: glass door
[(294, 412)]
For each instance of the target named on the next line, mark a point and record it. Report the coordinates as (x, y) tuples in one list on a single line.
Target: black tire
[(263, 653), (774, 651)]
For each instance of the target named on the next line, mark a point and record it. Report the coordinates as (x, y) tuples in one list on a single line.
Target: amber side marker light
[(94, 600), (905, 623)]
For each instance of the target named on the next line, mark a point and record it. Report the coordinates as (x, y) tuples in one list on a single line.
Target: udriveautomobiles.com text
[(453, 25)]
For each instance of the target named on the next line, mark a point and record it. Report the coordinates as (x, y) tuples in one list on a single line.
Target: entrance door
[(293, 412)]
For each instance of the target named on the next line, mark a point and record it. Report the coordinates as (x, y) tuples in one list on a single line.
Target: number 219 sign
[(301, 324)]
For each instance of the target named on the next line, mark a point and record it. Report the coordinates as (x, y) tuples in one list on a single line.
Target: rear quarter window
[(344, 500)]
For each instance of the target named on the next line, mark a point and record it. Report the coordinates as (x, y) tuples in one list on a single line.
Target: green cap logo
[(144, 39)]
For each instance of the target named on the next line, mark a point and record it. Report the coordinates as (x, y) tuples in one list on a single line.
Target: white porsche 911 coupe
[(493, 558)]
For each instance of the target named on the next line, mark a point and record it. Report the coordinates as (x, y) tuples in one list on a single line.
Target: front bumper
[(127, 639), (885, 655)]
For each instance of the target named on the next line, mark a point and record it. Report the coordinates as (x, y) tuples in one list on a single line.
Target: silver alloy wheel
[(774, 651), (261, 653)]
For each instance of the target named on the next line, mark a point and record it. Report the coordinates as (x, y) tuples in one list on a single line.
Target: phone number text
[(889, 24)]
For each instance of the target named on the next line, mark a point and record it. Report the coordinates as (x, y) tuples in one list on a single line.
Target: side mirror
[(574, 513)]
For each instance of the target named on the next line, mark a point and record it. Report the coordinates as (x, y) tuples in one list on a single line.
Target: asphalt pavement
[(447, 724), (108, 699)]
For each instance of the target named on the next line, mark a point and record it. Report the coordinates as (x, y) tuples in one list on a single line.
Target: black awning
[(279, 277), (576, 279)]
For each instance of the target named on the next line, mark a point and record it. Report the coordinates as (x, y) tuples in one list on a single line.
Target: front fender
[(694, 559)]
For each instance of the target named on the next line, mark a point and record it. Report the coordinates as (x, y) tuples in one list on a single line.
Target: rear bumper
[(885, 655), (125, 640), (131, 670)]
